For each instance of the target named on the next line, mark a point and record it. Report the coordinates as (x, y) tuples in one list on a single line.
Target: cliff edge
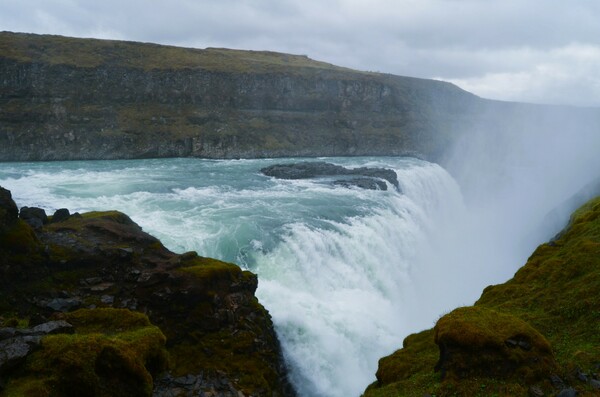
[(90, 305), (535, 335)]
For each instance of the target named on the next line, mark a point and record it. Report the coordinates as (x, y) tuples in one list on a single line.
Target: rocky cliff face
[(66, 98), (140, 320)]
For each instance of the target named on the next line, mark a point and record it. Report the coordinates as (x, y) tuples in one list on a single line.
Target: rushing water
[(344, 272)]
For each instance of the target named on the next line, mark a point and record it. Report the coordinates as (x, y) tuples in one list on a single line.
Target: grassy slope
[(557, 292), (60, 50)]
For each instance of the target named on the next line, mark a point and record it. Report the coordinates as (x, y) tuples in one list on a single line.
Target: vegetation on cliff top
[(61, 50), (538, 332)]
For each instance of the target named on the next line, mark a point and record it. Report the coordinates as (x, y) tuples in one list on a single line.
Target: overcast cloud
[(545, 51)]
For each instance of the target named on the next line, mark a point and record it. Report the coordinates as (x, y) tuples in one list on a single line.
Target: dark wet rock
[(595, 384), (14, 351), (304, 170), (92, 281), (557, 382), (61, 215), (34, 216), (17, 343), (363, 183), (107, 299), (217, 385), (7, 332), (580, 375), (64, 304), (53, 327), (568, 392), (9, 212), (317, 169), (535, 391)]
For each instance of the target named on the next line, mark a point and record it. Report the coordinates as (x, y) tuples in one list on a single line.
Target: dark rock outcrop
[(317, 169), (216, 330), (60, 215), (8, 210), (35, 217), (18, 343), (363, 183)]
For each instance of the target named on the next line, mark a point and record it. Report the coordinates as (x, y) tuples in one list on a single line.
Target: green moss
[(106, 320), (476, 341), (237, 354), (553, 300), (209, 269), (113, 353), (20, 239), (417, 356)]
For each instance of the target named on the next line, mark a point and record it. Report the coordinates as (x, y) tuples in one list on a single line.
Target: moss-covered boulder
[(536, 334), (475, 341), (114, 352), (218, 336)]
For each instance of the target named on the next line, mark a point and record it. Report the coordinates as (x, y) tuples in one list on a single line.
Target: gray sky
[(545, 51)]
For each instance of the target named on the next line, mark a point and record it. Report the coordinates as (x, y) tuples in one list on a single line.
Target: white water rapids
[(345, 273)]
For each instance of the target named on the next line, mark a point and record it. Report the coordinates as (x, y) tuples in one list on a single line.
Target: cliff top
[(52, 49)]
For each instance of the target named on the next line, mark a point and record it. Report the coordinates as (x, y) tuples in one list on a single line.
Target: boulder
[(317, 169), (61, 215), (9, 212), (14, 351), (53, 327), (64, 304), (34, 216), (475, 342)]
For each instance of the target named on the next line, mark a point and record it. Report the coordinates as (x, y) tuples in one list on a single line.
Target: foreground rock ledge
[(159, 323)]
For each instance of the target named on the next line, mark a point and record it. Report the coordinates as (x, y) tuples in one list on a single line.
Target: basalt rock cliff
[(90, 305), (65, 98)]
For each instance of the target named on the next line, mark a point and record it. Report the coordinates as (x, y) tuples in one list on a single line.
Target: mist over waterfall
[(521, 173)]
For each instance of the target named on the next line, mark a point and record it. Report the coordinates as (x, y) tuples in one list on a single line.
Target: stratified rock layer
[(65, 98)]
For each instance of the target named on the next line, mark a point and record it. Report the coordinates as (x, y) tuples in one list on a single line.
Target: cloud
[(569, 74), (486, 46)]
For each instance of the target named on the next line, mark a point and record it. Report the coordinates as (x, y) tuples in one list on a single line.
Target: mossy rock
[(553, 300), (114, 352), (413, 363), (475, 341), (19, 239)]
